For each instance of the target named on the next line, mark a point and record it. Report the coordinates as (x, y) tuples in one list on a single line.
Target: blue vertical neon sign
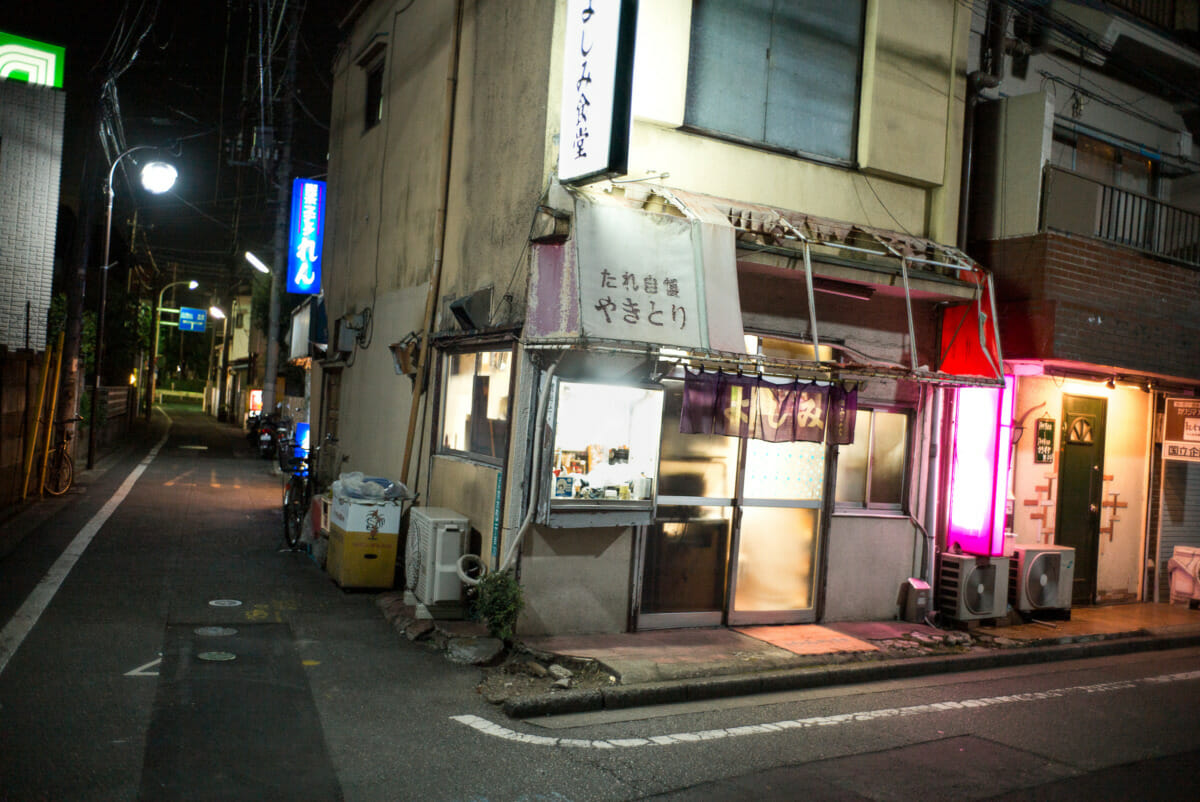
[(308, 231)]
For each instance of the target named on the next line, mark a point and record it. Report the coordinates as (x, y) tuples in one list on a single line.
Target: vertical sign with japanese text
[(1043, 449), (307, 235), (593, 139)]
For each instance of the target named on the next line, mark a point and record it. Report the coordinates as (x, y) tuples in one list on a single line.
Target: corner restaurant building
[(714, 413)]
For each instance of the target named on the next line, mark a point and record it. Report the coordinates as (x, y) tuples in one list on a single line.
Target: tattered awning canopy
[(970, 354)]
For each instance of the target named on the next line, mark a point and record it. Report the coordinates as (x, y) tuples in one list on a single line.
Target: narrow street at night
[(108, 695)]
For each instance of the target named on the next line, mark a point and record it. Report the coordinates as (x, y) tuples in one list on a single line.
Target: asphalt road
[(120, 679)]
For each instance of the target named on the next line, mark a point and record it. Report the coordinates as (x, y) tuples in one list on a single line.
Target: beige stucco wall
[(866, 566), (1127, 449), (910, 118), (576, 580), (468, 488)]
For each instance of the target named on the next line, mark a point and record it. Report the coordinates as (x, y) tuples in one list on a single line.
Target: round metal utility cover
[(224, 603), (215, 631), (217, 657)]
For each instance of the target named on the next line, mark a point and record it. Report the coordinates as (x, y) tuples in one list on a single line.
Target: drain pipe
[(510, 552), (933, 486), (992, 57), (439, 240)]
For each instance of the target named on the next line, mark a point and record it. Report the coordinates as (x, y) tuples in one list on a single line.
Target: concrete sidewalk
[(672, 666)]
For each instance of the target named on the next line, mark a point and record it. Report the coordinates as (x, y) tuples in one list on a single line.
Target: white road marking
[(23, 621), (143, 670), (498, 731)]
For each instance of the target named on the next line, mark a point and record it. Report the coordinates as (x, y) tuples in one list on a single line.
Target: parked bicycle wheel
[(60, 472), (294, 509)]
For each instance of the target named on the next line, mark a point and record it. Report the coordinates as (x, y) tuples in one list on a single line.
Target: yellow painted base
[(360, 559)]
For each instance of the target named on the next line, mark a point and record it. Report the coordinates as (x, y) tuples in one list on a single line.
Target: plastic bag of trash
[(375, 488)]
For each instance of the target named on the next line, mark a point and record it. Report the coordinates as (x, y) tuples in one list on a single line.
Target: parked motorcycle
[(273, 429)]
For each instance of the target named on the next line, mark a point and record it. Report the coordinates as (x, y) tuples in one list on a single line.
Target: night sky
[(188, 82)]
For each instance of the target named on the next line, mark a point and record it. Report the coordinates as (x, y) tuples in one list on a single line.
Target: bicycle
[(302, 485), (60, 468)]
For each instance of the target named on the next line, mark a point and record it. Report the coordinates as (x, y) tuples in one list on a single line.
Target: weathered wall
[(576, 580), (863, 585)]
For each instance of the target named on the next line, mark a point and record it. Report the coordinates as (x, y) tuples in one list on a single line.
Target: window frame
[(445, 355), (851, 159), (373, 73), (876, 507)]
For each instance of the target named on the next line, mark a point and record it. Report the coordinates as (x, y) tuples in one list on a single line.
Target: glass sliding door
[(777, 539), (686, 551), (737, 534)]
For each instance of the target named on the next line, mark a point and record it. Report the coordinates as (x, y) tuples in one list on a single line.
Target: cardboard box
[(363, 538), (361, 559), (363, 515)]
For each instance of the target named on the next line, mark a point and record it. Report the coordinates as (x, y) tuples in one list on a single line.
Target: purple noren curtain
[(751, 406)]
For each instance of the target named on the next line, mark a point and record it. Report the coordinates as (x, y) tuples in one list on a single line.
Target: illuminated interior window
[(475, 403)]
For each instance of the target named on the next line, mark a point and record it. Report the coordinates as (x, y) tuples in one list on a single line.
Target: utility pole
[(283, 176)]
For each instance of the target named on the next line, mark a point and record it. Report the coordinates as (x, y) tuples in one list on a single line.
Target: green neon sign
[(34, 62)]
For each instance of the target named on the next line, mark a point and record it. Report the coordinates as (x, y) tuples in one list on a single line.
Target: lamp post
[(217, 313), (150, 385), (271, 368), (157, 177)]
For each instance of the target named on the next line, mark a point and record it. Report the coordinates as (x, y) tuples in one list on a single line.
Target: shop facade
[(1085, 208), (527, 349)]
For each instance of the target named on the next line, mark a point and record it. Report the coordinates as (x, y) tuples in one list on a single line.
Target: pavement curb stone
[(701, 689)]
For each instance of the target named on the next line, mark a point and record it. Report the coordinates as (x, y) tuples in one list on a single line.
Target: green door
[(1080, 488)]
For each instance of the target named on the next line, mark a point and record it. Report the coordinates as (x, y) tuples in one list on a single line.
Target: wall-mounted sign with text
[(593, 139), (1043, 449), (34, 62), (1181, 430), (307, 235)]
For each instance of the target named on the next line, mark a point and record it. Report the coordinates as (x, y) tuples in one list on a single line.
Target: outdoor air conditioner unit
[(972, 587), (437, 538), (1042, 578)]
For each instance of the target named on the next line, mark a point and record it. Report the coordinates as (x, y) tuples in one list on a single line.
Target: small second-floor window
[(374, 101), (784, 73)]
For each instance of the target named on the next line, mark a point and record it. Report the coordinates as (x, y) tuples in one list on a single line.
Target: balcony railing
[(1080, 205)]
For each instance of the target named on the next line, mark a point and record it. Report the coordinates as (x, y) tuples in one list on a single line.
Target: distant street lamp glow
[(257, 263), (216, 312)]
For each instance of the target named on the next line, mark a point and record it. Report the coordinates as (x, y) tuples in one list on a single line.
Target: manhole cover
[(217, 657), (224, 603), (216, 631)]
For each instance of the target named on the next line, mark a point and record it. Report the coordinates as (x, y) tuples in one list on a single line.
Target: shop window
[(784, 73), (872, 471), (475, 403), (373, 107)]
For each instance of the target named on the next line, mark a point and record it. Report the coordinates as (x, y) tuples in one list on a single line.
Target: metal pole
[(99, 360), (152, 379)]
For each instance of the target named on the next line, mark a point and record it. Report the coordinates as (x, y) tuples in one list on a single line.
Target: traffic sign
[(192, 319)]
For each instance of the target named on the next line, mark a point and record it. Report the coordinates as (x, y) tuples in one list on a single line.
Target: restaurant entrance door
[(737, 533)]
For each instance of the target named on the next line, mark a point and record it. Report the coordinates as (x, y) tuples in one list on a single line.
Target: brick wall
[(1072, 298), (31, 133)]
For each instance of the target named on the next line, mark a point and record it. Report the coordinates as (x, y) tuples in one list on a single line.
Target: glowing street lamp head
[(193, 284), (158, 177), (217, 312), (257, 263)]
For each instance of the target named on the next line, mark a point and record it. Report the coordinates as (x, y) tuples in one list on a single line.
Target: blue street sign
[(192, 319)]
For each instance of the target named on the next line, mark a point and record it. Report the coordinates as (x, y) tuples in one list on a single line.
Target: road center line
[(39, 599), (498, 731)]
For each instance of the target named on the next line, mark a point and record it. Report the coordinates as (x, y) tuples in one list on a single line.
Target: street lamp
[(150, 385), (257, 263), (157, 177)]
